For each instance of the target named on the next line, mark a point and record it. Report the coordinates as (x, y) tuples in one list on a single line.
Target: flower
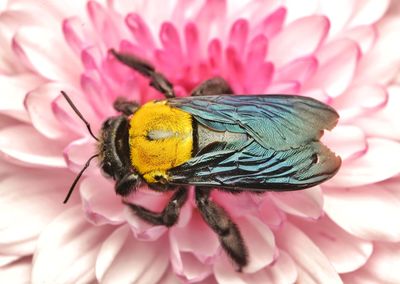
[(344, 53)]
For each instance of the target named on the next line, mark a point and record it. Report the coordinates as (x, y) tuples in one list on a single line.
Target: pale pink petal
[(14, 90), (36, 48), (211, 18), (236, 204), (38, 104), (313, 266), (289, 87), (338, 12), (306, 203), (349, 142), (368, 12), (384, 122), (40, 151), (300, 8), (124, 258), (369, 167), (101, 204), (67, 249), (380, 65), (382, 267), (369, 212), (23, 219), (192, 248), (290, 43), (346, 252), (365, 36), (270, 214), (78, 152), (338, 61), (18, 272), (77, 34), (282, 270), (359, 100), (169, 277), (7, 259), (300, 69), (272, 24)]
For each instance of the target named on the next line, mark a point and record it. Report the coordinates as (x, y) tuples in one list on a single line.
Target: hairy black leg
[(220, 222), (157, 80), (126, 184), (213, 86), (169, 216), (124, 106)]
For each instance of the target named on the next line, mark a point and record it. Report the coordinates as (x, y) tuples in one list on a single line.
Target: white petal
[(18, 272)]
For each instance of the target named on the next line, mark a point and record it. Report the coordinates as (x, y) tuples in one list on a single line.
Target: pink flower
[(344, 53)]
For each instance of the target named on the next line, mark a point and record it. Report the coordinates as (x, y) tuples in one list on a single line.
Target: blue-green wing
[(282, 152), (274, 121)]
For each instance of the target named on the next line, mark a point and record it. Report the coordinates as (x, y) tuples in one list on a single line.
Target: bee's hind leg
[(169, 216), (220, 222), (213, 86), (157, 80)]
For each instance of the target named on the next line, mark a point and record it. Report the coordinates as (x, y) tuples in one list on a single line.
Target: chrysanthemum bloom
[(344, 53)]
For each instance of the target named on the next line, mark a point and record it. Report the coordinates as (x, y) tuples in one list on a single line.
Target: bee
[(212, 140)]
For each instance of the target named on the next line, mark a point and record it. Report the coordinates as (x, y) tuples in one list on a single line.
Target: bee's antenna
[(79, 114), (78, 177)]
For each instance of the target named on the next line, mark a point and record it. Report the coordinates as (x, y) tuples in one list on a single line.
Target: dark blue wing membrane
[(282, 153)]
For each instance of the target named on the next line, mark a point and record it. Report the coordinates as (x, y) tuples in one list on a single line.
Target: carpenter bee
[(212, 140)]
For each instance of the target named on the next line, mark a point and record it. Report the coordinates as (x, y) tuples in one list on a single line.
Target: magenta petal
[(130, 261), (40, 151), (369, 167), (101, 204), (67, 249), (282, 49), (238, 35), (313, 266), (346, 252), (17, 272), (351, 210), (36, 48), (306, 203)]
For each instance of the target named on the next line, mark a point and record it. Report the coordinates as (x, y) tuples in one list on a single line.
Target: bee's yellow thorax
[(160, 138)]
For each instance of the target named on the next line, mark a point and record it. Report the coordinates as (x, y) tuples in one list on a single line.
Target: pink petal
[(169, 277), (337, 65), (67, 249), (18, 272), (140, 31), (77, 34), (238, 35), (192, 39), (297, 70), (369, 167), (170, 40), (38, 104), (282, 49), (23, 219), (313, 266), (14, 89), (349, 142), (300, 8), (40, 151), (359, 100), (289, 87), (282, 270), (382, 267), (270, 214), (192, 247), (130, 261), (211, 18), (35, 47), (101, 204), (365, 36), (380, 65), (236, 204), (346, 252), (7, 259), (306, 203), (384, 122), (351, 210), (369, 12), (338, 12), (272, 24), (78, 152)]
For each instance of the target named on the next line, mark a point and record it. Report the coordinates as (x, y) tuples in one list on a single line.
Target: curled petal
[(17, 272), (124, 258)]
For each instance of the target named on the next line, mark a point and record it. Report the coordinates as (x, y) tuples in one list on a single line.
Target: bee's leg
[(127, 184), (157, 80), (213, 86), (169, 216), (220, 222), (124, 106)]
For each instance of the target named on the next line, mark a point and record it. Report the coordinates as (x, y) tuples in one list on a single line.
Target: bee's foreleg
[(157, 80), (124, 106), (169, 216), (213, 86), (220, 222)]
